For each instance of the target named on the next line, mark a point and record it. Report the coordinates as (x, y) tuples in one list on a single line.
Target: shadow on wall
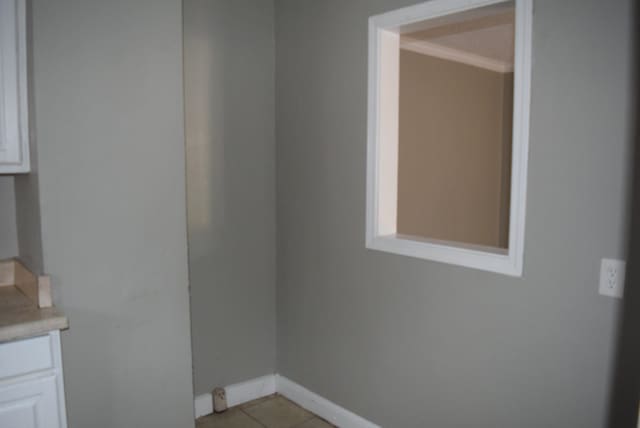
[(625, 392)]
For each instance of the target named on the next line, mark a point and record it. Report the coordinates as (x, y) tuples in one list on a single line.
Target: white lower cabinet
[(30, 404), (32, 395)]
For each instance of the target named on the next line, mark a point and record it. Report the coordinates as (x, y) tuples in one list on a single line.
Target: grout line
[(255, 419), (243, 407), (276, 395), (257, 401), (313, 416)]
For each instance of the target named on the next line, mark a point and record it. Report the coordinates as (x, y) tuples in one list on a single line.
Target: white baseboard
[(238, 393), (253, 389), (338, 416), (250, 390), (203, 405)]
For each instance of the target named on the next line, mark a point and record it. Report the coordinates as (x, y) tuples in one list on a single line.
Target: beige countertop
[(25, 303), (20, 317)]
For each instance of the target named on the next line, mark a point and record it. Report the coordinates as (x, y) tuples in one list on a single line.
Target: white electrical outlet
[(612, 278)]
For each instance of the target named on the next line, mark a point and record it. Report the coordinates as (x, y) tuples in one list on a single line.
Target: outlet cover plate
[(612, 278)]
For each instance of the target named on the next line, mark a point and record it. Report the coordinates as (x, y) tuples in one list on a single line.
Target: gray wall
[(8, 234), (229, 93), (27, 209), (411, 343), (27, 185), (109, 123)]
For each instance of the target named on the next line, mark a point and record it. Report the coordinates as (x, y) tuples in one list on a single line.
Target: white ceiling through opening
[(482, 37)]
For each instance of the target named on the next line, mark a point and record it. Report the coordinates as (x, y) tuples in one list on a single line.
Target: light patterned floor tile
[(232, 418), (279, 413), (315, 423)]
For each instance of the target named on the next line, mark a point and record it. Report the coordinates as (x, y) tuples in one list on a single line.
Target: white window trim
[(382, 142)]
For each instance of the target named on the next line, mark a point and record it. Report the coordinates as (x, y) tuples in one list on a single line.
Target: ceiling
[(485, 41)]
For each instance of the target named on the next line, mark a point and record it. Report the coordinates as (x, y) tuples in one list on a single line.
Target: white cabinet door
[(31, 404), (14, 128)]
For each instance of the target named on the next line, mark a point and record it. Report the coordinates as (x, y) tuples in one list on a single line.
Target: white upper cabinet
[(14, 127)]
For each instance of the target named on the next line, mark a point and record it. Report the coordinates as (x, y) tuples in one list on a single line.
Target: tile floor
[(273, 411)]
